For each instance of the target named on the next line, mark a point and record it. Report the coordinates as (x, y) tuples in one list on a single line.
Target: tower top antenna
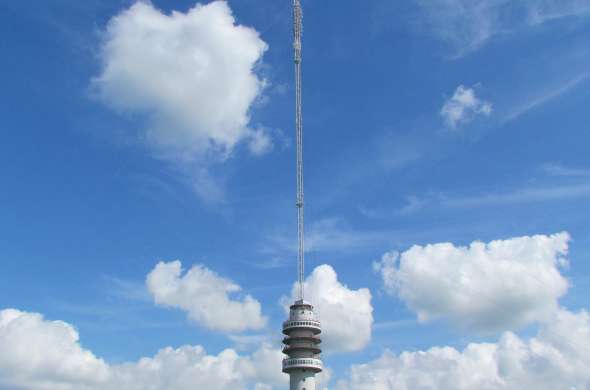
[(297, 32)]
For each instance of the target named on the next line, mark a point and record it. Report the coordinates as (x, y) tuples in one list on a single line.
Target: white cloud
[(489, 287), (260, 142), (45, 355), (463, 106), (191, 367), (192, 74), (467, 25), (205, 296), (557, 358), (39, 354), (346, 315)]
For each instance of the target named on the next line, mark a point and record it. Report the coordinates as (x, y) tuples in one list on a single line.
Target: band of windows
[(315, 324), (302, 362)]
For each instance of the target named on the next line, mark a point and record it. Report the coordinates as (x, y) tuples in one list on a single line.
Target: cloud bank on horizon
[(47, 355)]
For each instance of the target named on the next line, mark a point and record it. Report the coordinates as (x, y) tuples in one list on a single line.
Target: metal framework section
[(302, 330), (297, 33)]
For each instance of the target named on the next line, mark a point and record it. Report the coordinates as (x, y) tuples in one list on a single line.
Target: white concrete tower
[(302, 329), (302, 341)]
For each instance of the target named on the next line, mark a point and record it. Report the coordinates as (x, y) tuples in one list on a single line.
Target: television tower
[(302, 329)]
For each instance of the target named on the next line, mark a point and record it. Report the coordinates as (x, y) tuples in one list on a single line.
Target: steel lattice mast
[(297, 32)]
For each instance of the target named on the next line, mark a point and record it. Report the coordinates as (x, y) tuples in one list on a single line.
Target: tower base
[(302, 380)]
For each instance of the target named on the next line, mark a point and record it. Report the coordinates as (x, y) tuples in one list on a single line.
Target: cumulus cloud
[(463, 107), (346, 314), (193, 75), (557, 358), (191, 367), (39, 354), (468, 25), (205, 296), (47, 355), (500, 285)]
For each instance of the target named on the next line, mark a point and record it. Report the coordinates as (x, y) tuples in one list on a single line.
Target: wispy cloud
[(114, 316), (515, 196), (337, 236), (414, 203), (327, 235), (129, 290), (542, 11), (467, 25), (271, 262), (546, 96), (334, 234), (250, 342), (557, 169), (523, 195), (389, 325), (387, 151)]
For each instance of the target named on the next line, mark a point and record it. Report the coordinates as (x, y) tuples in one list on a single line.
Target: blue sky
[(91, 203)]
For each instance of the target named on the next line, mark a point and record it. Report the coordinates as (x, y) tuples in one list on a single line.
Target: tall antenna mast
[(302, 329), (297, 32)]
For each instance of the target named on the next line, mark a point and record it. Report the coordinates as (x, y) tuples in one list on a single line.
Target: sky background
[(425, 122)]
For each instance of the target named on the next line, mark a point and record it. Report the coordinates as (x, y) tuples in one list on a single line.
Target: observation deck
[(302, 340), (314, 326), (302, 347), (314, 365), (308, 339)]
